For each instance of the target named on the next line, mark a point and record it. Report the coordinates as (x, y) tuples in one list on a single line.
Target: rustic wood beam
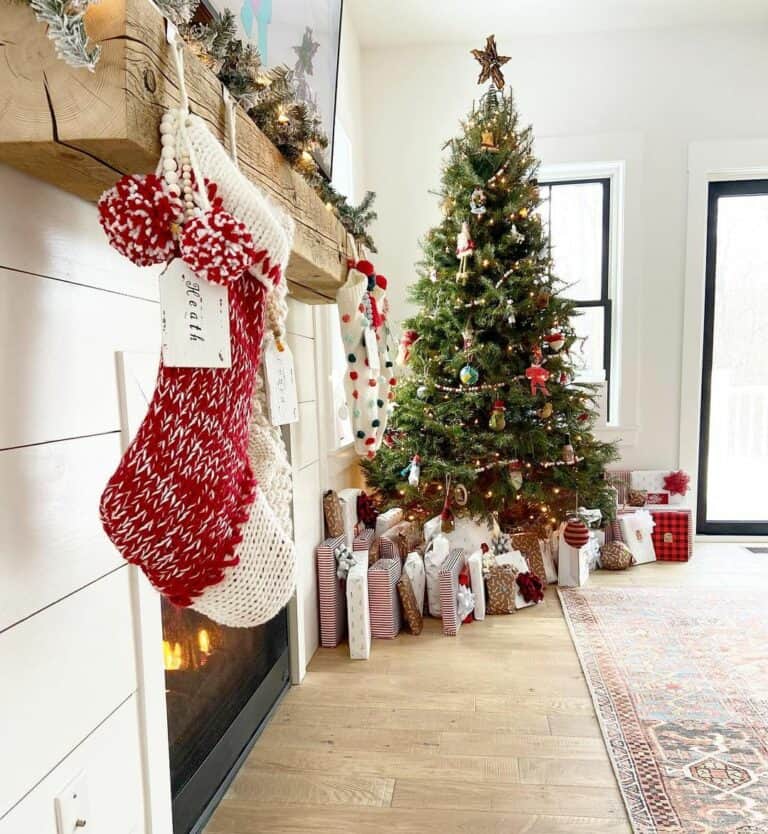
[(81, 130)]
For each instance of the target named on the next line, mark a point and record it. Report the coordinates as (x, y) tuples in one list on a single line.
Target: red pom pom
[(217, 246), (484, 547), (353, 374), (366, 267), (138, 215), (381, 282), (393, 381), (345, 318), (356, 393), (370, 441), (372, 382)]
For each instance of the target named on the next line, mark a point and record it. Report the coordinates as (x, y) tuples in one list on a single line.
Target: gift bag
[(358, 611), (448, 583), (637, 533), (435, 554), (331, 596), (383, 598), (528, 545), (414, 569), (475, 565)]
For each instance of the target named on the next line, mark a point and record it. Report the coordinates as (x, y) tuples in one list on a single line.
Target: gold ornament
[(490, 62), (487, 142), (545, 412)]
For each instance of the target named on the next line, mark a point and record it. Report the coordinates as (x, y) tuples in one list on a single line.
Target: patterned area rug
[(680, 685)]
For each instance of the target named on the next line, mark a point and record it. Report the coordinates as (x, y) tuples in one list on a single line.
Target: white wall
[(641, 96)]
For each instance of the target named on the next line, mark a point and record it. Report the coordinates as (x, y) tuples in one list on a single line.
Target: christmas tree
[(488, 418)]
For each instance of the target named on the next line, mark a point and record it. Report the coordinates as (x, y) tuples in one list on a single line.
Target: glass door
[(733, 451)]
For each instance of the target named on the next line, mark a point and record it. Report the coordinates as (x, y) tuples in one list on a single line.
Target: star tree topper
[(491, 62)]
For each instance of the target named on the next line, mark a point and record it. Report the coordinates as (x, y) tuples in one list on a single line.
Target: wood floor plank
[(234, 817), (510, 744), (264, 786), (350, 738), (444, 794), (533, 770), (585, 726)]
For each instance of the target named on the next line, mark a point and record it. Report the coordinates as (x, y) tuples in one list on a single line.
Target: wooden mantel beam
[(81, 130)]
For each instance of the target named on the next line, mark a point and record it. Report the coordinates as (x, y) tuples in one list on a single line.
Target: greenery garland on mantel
[(267, 95)]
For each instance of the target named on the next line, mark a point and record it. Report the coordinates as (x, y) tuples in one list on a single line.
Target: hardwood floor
[(490, 733)]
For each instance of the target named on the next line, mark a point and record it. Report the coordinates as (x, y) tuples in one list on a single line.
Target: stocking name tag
[(280, 381), (372, 349), (195, 320)]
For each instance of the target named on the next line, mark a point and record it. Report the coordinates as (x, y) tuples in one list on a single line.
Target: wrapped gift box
[(448, 580), (516, 559), (637, 533), (414, 569), (383, 599), (398, 541), (358, 611), (620, 478), (475, 565), (348, 500), (672, 533), (331, 597), (388, 520), (363, 540), (436, 553)]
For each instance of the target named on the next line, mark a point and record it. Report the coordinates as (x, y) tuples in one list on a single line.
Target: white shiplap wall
[(68, 693)]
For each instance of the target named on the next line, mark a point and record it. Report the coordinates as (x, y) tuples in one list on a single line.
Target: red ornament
[(677, 483), (140, 215), (218, 247), (366, 267), (555, 341), (576, 532), (530, 587)]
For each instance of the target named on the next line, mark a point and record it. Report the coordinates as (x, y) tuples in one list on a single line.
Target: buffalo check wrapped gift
[(475, 565), (448, 580), (383, 599), (332, 600), (358, 611), (672, 535)]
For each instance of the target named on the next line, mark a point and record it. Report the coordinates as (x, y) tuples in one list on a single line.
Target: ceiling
[(397, 22)]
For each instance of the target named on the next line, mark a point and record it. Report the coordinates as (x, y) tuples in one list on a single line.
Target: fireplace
[(220, 685)]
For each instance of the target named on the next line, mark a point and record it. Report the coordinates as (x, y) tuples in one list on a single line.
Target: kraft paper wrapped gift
[(637, 534), (388, 520), (383, 599), (358, 611), (348, 500), (475, 565), (414, 570), (332, 600), (448, 581), (435, 554)]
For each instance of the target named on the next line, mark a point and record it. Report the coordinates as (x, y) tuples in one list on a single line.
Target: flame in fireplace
[(172, 657), (204, 641)]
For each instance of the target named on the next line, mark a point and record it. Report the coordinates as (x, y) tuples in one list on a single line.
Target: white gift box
[(432, 528), (448, 581), (573, 562), (331, 595), (358, 611), (387, 520), (518, 562), (414, 570), (348, 499), (637, 533), (475, 565), (436, 553), (652, 481), (469, 534), (383, 599)]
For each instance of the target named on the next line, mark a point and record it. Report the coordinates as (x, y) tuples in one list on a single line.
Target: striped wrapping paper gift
[(398, 541), (383, 600), (331, 597), (448, 579), (363, 540), (620, 478)]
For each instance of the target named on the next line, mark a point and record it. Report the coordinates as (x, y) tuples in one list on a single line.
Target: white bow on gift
[(644, 521), (345, 560), (592, 518), (465, 602)]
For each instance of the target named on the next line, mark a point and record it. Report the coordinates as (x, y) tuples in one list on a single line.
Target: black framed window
[(733, 447), (576, 214)]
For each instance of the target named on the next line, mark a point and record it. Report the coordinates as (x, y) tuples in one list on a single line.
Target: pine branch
[(66, 28)]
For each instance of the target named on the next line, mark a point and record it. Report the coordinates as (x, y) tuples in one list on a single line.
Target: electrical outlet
[(72, 807)]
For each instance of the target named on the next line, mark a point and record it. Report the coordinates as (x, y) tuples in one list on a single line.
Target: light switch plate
[(72, 807)]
